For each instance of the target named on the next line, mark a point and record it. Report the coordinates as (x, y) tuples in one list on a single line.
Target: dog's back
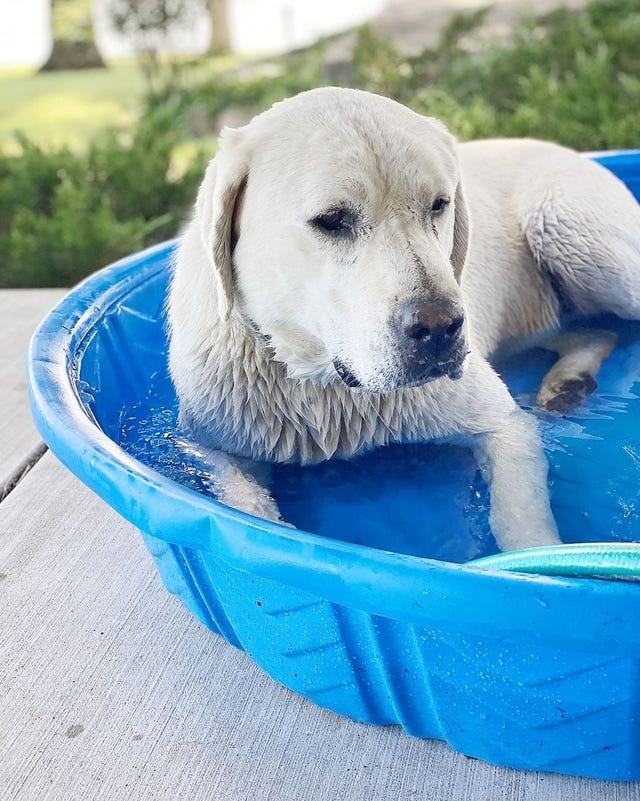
[(552, 233)]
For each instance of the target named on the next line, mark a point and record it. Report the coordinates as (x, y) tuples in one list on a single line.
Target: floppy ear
[(460, 233), (223, 181)]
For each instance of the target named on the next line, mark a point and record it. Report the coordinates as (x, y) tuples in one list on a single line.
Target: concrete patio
[(110, 690)]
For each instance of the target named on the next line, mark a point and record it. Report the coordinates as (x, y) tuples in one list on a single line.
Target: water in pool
[(429, 500)]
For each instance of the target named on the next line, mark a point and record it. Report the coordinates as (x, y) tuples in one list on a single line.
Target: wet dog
[(350, 270)]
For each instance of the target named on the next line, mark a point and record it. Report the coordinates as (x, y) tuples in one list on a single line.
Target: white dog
[(320, 308)]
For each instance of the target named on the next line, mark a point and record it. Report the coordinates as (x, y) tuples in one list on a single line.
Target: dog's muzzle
[(407, 377), (430, 343)]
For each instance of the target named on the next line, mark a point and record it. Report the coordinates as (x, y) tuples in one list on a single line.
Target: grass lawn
[(70, 107)]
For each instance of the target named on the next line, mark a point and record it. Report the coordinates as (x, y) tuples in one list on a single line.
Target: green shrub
[(250, 89), (573, 76), (62, 215)]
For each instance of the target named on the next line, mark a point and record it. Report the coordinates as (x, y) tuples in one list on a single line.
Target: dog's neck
[(248, 405)]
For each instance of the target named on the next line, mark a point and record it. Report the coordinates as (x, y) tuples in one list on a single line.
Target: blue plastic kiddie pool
[(366, 607)]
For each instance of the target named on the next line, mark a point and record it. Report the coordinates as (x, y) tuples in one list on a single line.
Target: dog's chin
[(453, 369)]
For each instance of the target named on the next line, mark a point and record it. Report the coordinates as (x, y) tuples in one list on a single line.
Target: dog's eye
[(335, 222), (439, 205)]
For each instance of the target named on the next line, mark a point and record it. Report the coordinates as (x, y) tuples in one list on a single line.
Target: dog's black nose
[(434, 327)]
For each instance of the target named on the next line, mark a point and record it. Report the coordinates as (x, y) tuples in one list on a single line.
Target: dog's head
[(337, 227)]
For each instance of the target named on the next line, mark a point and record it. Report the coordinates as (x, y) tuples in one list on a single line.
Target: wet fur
[(276, 396)]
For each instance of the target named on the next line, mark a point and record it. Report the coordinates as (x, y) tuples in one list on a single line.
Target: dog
[(349, 273)]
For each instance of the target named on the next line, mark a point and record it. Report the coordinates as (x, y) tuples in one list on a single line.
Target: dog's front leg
[(240, 483), (508, 449), (515, 468)]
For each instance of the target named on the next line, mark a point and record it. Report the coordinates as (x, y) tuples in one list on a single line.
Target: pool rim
[(342, 572)]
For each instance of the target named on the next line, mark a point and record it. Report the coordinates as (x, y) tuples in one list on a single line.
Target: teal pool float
[(602, 560)]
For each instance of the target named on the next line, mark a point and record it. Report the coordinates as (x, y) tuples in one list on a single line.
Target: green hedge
[(573, 77), (63, 214)]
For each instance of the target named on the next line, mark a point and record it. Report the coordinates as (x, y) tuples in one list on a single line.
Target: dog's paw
[(266, 509), (565, 393)]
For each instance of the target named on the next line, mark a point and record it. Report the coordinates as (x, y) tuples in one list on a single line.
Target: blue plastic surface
[(521, 670)]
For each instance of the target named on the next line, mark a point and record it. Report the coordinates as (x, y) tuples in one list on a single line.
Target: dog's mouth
[(453, 369), (346, 375)]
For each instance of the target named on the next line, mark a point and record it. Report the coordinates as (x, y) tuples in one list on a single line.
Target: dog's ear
[(218, 198), (460, 233)]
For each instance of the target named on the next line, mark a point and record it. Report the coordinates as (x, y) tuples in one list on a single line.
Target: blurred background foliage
[(114, 155)]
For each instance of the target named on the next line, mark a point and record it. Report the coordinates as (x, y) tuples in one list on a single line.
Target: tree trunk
[(74, 46), (220, 39)]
